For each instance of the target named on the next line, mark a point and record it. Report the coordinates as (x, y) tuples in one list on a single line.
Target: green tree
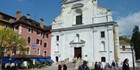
[(11, 41), (136, 41), (124, 39)]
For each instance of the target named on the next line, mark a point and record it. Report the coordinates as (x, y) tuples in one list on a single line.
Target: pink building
[(37, 35)]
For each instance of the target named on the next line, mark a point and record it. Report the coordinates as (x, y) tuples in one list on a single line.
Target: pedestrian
[(59, 67), (125, 65), (97, 67), (64, 66), (83, 66), (113, 64)]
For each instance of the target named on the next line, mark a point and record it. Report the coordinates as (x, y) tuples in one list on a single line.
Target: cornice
[(84, 26)]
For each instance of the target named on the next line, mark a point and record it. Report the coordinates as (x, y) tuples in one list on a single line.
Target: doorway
[(56, 58), (78, 52)]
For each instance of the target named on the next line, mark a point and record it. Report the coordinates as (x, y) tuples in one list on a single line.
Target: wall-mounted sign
[(33, 45)]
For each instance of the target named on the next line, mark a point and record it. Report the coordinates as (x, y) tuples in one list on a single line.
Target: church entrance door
[(78, 52)]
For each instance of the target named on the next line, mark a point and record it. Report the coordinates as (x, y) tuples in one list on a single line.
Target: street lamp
[(132, 48)]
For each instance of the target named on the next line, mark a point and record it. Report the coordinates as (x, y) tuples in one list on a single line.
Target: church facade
[(84, 30)]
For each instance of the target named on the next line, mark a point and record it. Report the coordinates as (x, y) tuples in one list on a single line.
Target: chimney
[(41, 23), (28, 16), (1, 16), (18, 15)]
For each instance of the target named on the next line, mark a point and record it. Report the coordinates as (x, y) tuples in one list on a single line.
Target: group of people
[(62, 66), (97, 66), (114, 66), (83, 66)]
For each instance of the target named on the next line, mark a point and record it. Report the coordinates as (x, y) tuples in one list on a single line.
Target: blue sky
[(125, 12)]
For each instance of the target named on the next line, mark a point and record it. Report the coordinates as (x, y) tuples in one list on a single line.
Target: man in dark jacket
[(64, 67), (59, 67), (83, 66)]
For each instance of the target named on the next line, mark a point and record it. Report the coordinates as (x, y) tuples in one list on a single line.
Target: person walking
[(83, 66), (64, 66), (125, 65), (97, 66), (113, 65), (59, 67)]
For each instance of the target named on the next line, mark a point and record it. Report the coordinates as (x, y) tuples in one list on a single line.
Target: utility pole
[(132, 48)]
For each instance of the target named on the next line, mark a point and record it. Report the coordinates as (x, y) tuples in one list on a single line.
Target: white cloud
[(126, 24)]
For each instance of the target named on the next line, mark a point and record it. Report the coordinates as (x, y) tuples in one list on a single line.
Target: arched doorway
[(57, 58)]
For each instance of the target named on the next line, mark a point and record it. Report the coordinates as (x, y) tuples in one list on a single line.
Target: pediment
[(78, 5), (80, 42), (69, 1)]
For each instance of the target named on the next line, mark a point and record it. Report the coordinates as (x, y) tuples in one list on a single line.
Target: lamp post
[(132, 48)]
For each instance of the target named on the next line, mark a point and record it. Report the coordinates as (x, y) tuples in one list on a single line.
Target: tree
[(11, 41), (135, 40), (124, 39)]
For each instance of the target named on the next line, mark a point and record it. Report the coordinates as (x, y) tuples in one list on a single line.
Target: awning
[(16, 61), (6, 60), (34, 59), (42, 60), (49, 60), (10, 60)]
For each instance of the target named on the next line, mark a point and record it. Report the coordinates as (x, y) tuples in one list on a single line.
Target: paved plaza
[(55, 68)]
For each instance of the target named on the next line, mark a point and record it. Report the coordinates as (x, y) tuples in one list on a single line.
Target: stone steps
[(70, 65)]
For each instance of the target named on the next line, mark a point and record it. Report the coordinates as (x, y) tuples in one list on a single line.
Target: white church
[(84, 30)]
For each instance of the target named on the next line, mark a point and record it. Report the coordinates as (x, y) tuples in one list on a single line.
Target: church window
[(78, 19), (57, 38), (123, 48), (78, 16), (102, 34)]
